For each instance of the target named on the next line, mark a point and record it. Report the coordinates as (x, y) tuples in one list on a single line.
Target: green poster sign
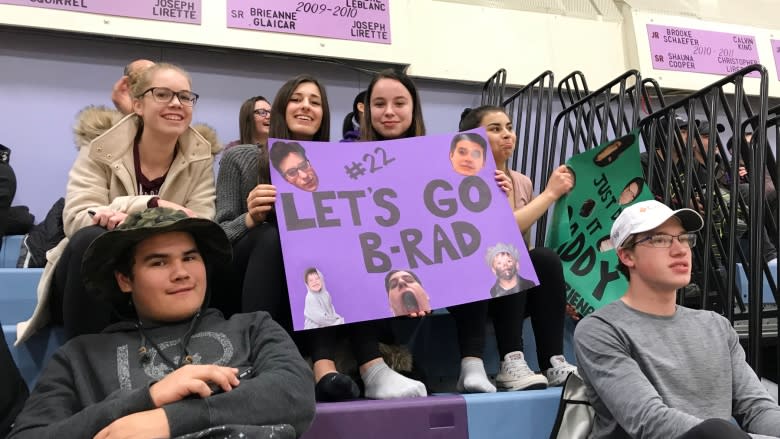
[(607, 179)]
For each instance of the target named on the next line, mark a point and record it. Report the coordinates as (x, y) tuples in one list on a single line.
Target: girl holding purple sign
[(299, 112), (545, 303), (245, 195), (381, 382)]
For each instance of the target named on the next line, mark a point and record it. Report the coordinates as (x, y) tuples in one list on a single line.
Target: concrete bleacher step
[(17, 293), (434, 417), (504, 415)]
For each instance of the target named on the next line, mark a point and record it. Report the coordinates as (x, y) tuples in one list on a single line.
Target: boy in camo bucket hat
[(173, 367), (111, 251)]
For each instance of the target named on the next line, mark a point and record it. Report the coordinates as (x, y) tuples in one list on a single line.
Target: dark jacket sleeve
[(55, 409), (281, 391), (13, 389)]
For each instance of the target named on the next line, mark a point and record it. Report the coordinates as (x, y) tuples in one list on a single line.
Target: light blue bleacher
[(9, 253), (31, 356), (17, 286), (17, 302), (768, 298), (17, 293), (512, 415)]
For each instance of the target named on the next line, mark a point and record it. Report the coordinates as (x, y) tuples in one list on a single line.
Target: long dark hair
[(348, 125), (247, 128), (246, 120), (417, 128), (279, 128)]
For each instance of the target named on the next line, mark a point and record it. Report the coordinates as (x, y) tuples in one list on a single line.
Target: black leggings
[(545, 304), (257, 258), (715, 429), (363, 339), (79, 310)]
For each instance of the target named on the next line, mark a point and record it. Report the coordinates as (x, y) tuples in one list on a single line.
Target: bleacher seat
[(512, 415), (31, 356), (17, 293), (768, 298), (17, 302), (9, 253)]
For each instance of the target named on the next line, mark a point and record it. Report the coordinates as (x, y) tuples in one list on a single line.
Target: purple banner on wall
[(351, 213), (776, 53), (162, 10), (700, 51), (358, 20)]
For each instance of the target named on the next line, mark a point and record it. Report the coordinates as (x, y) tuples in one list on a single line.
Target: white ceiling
[(757, 13)]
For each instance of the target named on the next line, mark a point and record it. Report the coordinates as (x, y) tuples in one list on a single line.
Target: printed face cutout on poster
[(371, 230), (608, 178)]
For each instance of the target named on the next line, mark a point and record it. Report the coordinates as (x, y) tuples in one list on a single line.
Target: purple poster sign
[(776, 53), (358, 20), (700, 51), (178, 11), (376, 229)]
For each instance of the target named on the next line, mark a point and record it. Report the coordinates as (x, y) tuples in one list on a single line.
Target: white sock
[(473, 378), (385, 383)]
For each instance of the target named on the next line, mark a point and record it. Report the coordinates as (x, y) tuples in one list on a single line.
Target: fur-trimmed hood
[(95, 120)]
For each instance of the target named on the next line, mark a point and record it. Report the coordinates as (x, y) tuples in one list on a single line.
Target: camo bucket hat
[(100, 259)]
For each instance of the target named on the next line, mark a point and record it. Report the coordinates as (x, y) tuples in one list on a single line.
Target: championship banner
[(607, 179), (371, 230)]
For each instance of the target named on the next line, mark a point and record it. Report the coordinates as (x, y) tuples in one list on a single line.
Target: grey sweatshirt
[(238, 175), (95, 379), (653, 377)]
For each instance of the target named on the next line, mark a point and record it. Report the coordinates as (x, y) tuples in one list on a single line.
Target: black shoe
[(334, 387)]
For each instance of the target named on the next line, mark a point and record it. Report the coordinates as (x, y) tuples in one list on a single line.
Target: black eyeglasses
[(293, 172), (262, 112), (164, 95), (662, 240)]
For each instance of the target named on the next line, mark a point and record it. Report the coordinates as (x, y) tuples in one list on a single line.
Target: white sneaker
[(559, 371), (514, 374)]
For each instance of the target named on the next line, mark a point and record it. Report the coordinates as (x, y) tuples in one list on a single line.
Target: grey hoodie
[(95, 379)]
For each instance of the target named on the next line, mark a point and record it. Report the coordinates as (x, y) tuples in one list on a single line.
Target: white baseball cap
[(647, 215)]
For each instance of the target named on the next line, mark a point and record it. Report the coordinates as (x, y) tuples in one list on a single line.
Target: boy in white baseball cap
[(654, 369)]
